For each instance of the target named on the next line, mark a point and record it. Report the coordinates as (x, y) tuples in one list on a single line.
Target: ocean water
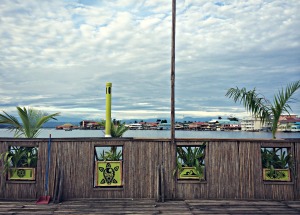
[(158, 134)]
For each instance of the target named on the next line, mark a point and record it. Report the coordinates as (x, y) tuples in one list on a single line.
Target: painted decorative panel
[(108, 173)]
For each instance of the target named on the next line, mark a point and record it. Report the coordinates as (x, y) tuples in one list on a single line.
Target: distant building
[(92, 125), (225, 124), (198, 126), (150, 125), (66, 127), (288, 123), (232, 125), (251, 124), (164, 126), (287, 117)]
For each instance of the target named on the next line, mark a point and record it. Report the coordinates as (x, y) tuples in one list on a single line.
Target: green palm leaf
[(10, 120), (260, 107), (252, 101), (32, 121), (118, 130)]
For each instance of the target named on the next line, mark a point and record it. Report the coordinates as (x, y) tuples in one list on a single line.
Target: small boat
[(135, 126), (295, 128), (164, 126)]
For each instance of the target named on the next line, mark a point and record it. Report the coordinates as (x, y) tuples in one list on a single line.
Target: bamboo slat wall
[(297, 161), (233, 170)]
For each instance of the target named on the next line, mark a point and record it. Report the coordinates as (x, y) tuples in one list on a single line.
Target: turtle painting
[(109, 173)]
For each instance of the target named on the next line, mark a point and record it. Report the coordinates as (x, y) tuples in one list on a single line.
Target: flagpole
[(173, 72)]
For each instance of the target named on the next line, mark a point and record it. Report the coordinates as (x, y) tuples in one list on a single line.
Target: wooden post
[(157, 184), (162, 184), (173, 72), (172, 88)]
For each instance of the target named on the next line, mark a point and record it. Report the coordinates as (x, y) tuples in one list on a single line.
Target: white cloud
[(58, 55)]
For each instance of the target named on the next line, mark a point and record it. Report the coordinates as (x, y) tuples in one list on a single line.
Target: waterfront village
[(287, 123)]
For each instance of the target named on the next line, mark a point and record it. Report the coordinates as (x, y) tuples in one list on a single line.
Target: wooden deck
[(146, 206)]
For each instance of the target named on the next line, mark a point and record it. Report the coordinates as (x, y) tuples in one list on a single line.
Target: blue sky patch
[(220, 4), (78, 20)]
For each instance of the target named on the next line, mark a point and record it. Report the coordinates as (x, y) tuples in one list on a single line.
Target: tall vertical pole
[(173, 72), (108, 110)]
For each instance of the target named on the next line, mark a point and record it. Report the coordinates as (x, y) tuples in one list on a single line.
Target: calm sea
[(158, 134)]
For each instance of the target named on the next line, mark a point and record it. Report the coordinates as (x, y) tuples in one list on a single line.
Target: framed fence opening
[(277, 164), (108, 166), (20, 162), (190, 162)]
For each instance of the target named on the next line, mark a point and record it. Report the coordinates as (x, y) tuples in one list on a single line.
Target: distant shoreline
[(45, 132)]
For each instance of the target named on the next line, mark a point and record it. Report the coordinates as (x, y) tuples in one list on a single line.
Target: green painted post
[(108, 110)]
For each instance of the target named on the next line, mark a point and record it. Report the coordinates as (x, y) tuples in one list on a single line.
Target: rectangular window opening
[(19, 163), (108, 171), (277, 164), (190, 162)]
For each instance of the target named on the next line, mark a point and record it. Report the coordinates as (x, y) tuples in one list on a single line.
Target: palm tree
[(117, 130), (262, 108), (32, 121)]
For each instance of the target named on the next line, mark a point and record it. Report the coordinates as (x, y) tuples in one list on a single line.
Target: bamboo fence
[(233, 170)]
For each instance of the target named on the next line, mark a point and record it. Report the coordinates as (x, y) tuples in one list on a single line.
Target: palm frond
[(281, 103), (253, 102), (261, 107), (25, 121), (32, 121), (118, 130), (12, 121)]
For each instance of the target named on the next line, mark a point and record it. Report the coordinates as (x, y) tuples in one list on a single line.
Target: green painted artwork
[(21, 174), (109, 173), (190, 173), (276, 175)]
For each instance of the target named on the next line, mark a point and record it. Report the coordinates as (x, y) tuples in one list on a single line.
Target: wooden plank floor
[(145, 206)]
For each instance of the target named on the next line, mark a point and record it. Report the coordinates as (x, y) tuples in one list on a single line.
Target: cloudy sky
[(58, 55)]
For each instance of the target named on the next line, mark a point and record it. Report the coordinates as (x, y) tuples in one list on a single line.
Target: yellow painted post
[(108, 110)]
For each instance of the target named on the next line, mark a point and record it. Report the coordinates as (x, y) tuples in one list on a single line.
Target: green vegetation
[(113, 154), (262, 108), (18, 156), (191, 156), (117, 128), (276, 158), (32, 121)]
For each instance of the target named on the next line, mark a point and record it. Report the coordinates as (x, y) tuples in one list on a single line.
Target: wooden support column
[(173, 72)]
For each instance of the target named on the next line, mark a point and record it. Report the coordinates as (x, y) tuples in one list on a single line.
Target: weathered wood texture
[(233, 170), (297, 169), (150, 207)]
